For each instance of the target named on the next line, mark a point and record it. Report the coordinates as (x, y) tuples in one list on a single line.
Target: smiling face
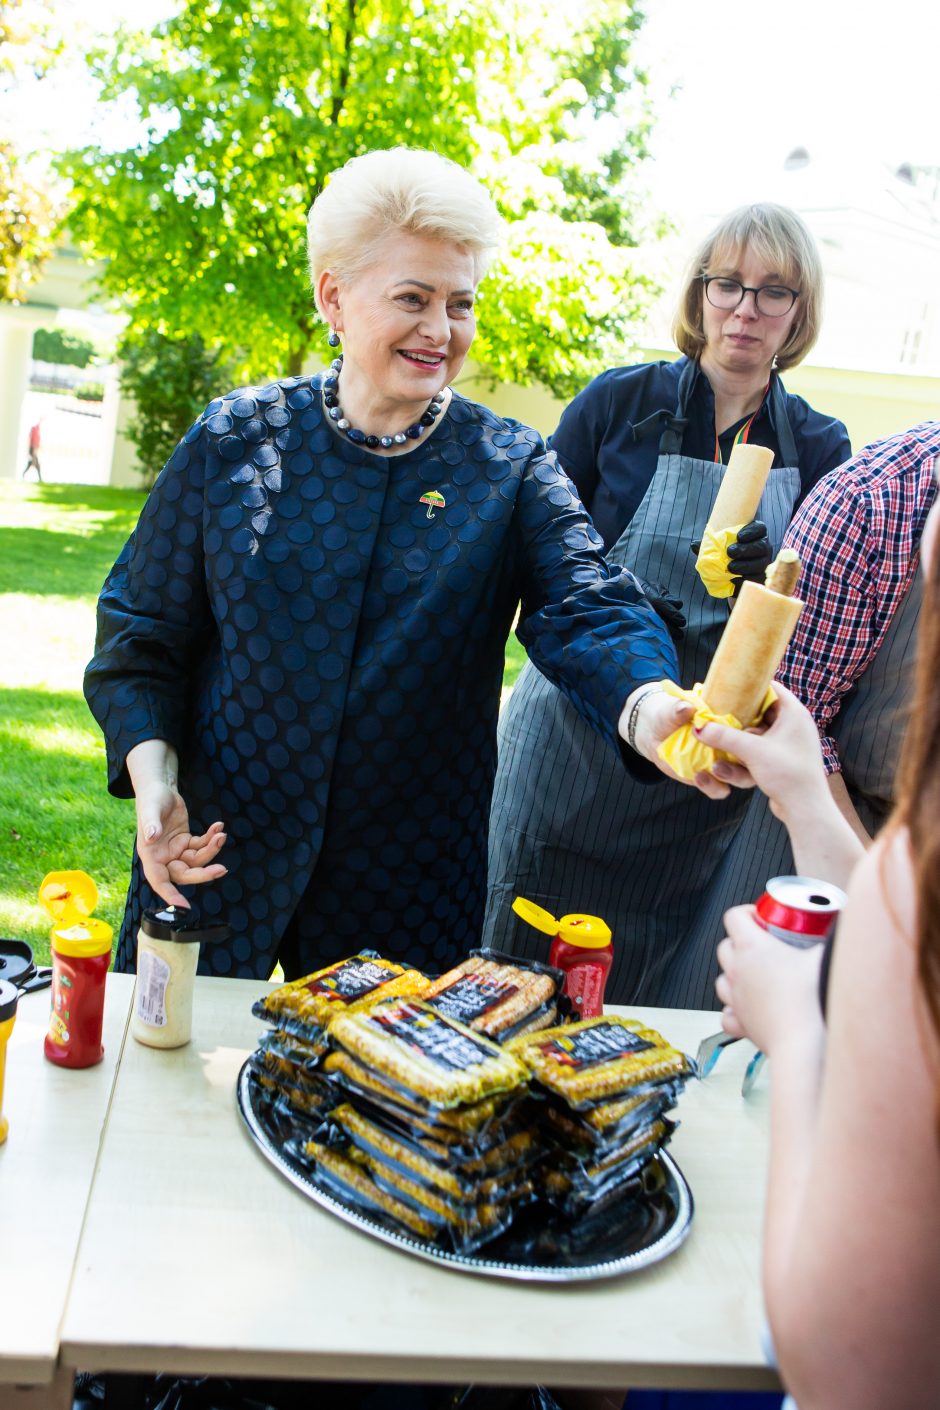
[(406, 324), (742, 340)]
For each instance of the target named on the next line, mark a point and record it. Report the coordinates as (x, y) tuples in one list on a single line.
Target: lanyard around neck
[(741, 437)]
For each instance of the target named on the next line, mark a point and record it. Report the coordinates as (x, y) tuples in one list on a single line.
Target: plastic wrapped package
[(435, 1165), (353, 1183), (497, 995), (370, 1137), (577, 1132), (577, 1188), (428, 1057), (599, 1058), (464, 1226), (452, 1126), (289, 1073), (609, 1117), (305, 1007), (296, 1112), (461, 1226), (296, 1052)]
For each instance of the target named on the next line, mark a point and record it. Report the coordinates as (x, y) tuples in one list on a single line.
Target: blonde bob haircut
[(400, 189), (781, 241)]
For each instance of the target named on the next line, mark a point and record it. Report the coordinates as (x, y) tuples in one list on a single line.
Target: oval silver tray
[(629, 1235)]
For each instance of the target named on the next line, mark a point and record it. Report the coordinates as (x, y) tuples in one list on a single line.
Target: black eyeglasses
[(772, 300)]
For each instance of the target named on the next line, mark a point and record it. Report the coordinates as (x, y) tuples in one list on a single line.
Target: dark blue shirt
[(612, 469)]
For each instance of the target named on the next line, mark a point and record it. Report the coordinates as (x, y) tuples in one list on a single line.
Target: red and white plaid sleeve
[(857, 534)]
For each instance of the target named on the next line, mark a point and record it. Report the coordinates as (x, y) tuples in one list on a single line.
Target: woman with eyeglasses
[(646, 447)]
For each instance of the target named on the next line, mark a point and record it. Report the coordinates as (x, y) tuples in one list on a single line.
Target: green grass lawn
[(57, 543)]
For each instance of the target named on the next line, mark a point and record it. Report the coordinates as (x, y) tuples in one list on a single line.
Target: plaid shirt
[(858, 536)]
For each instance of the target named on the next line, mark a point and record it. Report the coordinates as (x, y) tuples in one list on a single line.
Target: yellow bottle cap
[(82, 941), (587, 932), (68, 896)]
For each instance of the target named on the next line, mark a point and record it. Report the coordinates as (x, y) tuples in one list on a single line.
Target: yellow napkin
[(683, 751), (712, 561)]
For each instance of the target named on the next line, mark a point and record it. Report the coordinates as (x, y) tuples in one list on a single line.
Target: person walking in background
[(32, 459), (646, 448), (851, 662)]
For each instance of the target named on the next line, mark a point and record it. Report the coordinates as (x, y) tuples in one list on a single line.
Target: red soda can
[(799, 909)]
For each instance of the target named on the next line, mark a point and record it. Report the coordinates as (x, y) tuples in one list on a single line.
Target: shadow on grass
[(99, 499), (55, 811), (82, 530)]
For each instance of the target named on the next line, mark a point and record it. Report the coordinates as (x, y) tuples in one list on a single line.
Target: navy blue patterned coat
[(325, 652)]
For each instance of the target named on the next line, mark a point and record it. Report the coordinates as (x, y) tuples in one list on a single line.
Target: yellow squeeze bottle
[(9, 994)]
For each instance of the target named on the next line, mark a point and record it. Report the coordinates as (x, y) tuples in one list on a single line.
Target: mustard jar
[(167, 955)]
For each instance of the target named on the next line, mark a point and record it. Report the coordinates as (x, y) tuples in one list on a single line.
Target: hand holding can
[(799, 909)]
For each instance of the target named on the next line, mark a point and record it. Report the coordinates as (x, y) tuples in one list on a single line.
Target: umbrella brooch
[(434, 500)]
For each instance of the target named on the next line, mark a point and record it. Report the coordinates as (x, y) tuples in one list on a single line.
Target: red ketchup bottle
[(81, 955), (581, 949), (799, 909)]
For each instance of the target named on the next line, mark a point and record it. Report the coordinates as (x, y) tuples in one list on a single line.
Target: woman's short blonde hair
[(781, 241), (401, 188)]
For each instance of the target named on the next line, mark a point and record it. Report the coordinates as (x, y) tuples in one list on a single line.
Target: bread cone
[(783, 572), (750, 651), (741, 487)]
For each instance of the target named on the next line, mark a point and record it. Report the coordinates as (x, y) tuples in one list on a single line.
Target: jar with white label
[(167, 955)]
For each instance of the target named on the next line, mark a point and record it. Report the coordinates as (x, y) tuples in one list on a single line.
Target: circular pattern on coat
[(336, 671)]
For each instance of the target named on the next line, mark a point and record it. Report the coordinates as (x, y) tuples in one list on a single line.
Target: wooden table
[(46, 1170), (198, 1257)]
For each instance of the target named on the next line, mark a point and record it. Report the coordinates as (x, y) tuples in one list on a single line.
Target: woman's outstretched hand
[(657, 716), (169, 853)]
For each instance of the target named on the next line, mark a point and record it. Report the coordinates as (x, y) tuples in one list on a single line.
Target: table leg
[(57, 1395)]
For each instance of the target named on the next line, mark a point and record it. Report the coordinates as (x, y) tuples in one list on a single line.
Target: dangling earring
[(333, 338)]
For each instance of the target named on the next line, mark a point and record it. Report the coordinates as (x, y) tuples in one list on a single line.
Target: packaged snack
[(496, 994), (575, 1131), (306, 1006), (606, 1117), (599, 1058), (467, 1225), (452, 1126), (294, 1052), (379, 1142), (354, 1185), (432, 1058)]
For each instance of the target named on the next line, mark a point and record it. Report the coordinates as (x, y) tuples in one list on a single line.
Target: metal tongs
[(709, 1051)]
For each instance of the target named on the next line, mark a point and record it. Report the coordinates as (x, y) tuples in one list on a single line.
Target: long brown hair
[(918, 801)]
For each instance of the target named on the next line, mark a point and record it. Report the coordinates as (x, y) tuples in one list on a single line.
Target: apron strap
[(673, 422), (778, 411)]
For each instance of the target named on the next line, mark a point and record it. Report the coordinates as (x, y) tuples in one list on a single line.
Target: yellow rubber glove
[(683, 751), (712, 564)]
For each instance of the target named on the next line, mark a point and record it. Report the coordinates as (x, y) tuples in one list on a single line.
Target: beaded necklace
[(335, 412)]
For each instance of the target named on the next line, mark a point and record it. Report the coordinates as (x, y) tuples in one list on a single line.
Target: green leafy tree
[(29, 209), (59, 346), (246, 106), (171, 378)]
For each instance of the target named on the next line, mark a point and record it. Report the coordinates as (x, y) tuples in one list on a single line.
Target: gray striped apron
[(569, 828), (868, 731)]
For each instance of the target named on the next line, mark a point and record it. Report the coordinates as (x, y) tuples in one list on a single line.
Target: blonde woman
[(646, 447), (300, 650)]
